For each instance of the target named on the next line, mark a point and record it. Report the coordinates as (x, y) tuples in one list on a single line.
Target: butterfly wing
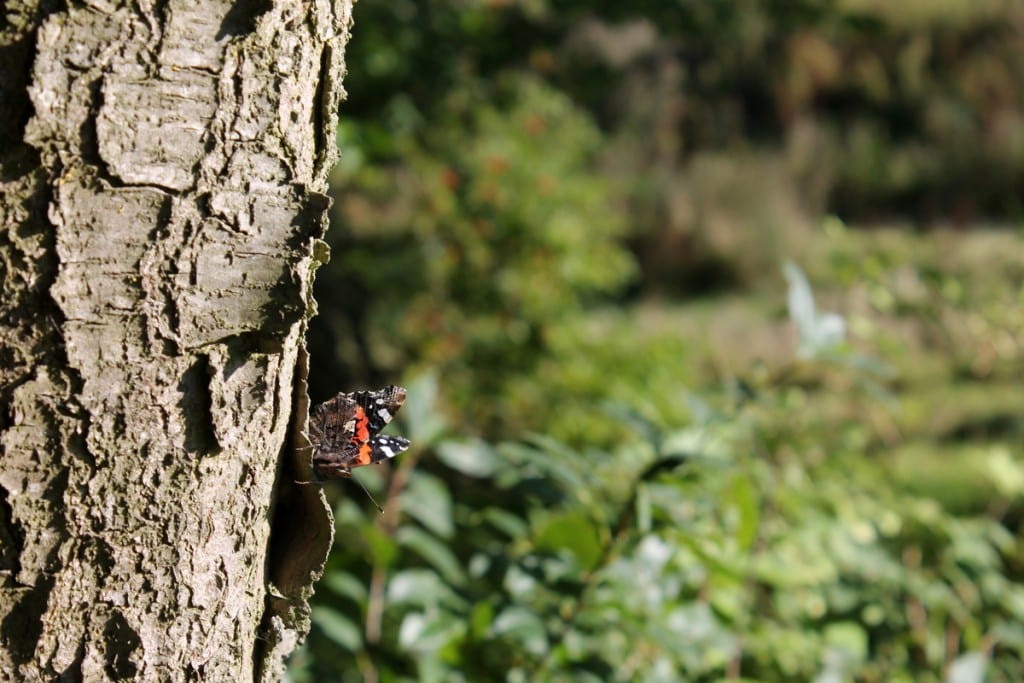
[(380, 406), (344, 430)]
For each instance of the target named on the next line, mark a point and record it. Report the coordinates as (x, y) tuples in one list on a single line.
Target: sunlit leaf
[(429, 631), (474, 458), (424, 588), (696, 442), (850, 638), (819, 332), (518, 582), (524, 626), (1006, 472), (968, 668), (744, 496)]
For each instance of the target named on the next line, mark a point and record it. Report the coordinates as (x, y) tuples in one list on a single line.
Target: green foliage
[(606, 488), (770, 527), (729, 545), (499, 157), (496, 245)]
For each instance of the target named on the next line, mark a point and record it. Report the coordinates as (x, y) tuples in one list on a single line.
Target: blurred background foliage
[(645, 450)]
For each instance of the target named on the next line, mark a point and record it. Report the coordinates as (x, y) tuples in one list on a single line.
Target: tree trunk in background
[(162, 177)]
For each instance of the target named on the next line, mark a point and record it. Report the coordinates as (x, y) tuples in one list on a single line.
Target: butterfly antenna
[(369, 495)]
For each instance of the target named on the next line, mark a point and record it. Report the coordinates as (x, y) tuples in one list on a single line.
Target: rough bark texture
[(162, 173)]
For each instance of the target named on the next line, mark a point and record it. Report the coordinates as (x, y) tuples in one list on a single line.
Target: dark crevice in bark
[(166, 289), (310, 223), (15, 111), (18, 160), (21, 628), (197, 405), (322, 136), (90, 139), (16, 69), (11, 539), (122, 642), (302, 530), (242, 18), (156, 21)]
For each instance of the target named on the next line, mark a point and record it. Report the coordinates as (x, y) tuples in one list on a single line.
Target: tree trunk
[(162, 177)]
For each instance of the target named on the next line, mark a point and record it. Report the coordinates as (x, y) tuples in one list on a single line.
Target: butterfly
[(345, 430)]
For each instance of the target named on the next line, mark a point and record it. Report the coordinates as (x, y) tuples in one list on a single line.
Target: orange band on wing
[(363, 456), (362, 432)]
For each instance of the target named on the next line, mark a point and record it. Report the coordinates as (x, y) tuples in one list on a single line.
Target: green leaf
[(524, 626), (512, 525), (474, 458), (419, 587), (1006, 472), (570, 531), (426, 499), (644, 509), (421, 416), (552, 462), (427, 632), (338, 628), (743, 496), (519, 583), (382, 548), (968, 668), (345, 585), (849, 638), (435, 552), (481, 618), (707, 442)]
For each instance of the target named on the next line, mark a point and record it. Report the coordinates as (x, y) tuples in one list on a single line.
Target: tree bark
[(161, 183)]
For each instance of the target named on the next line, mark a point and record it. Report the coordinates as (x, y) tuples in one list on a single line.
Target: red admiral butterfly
[(344, 431)]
